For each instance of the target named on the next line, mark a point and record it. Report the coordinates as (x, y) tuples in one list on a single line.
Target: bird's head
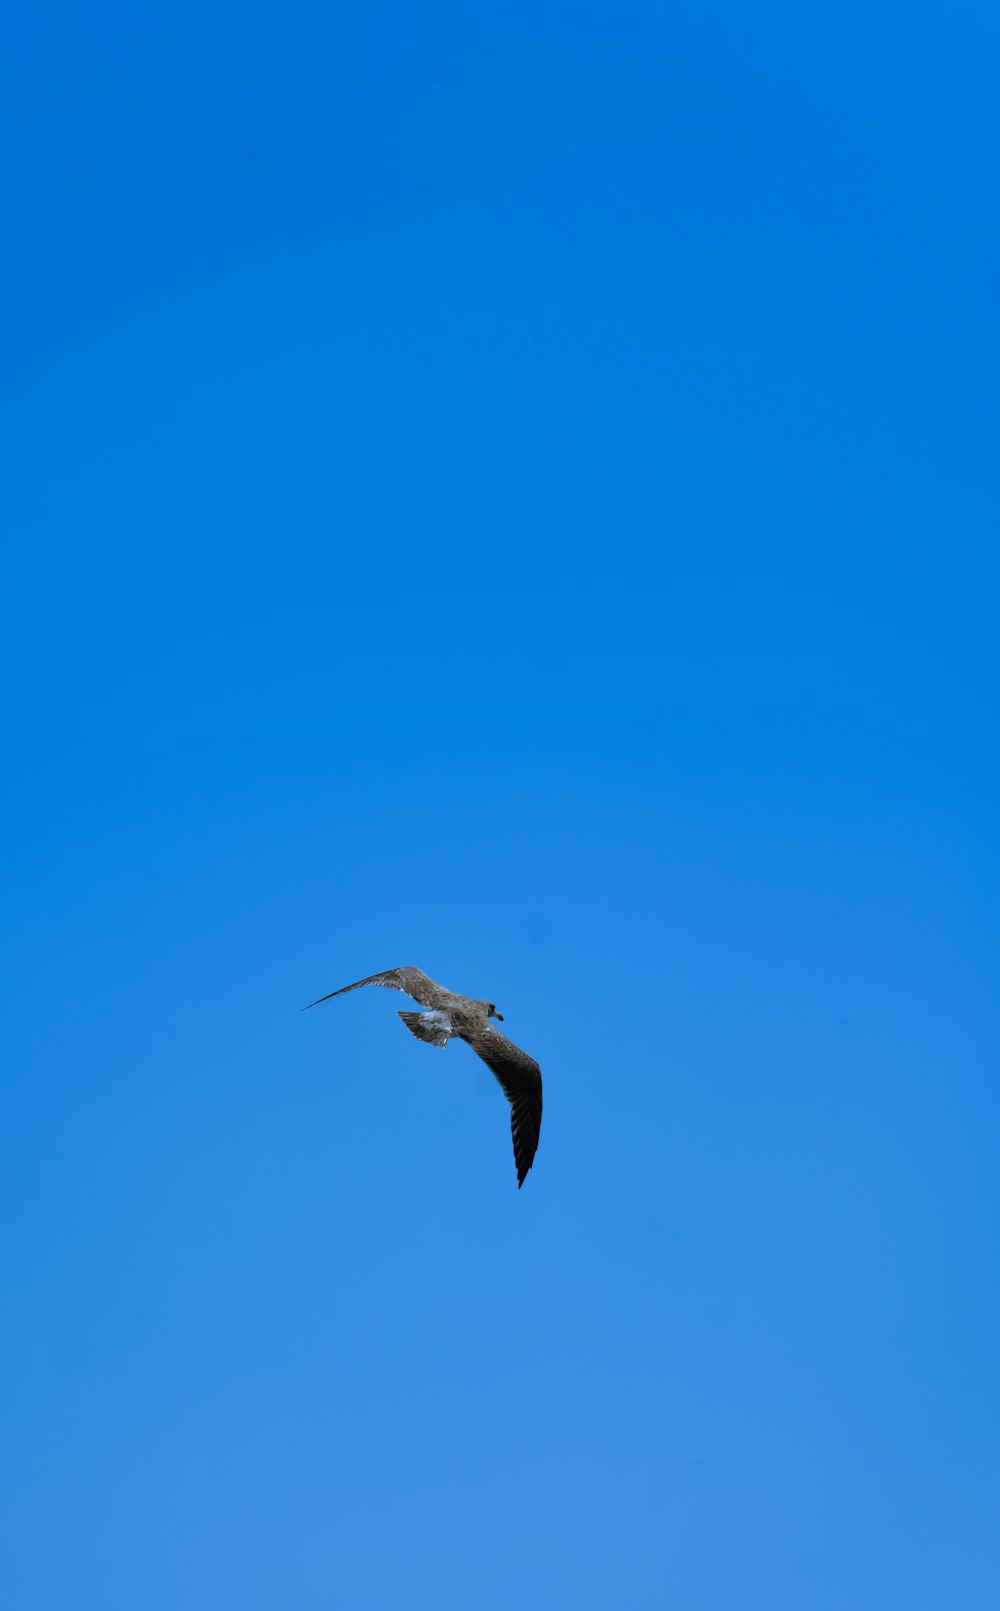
[(491, 1011)]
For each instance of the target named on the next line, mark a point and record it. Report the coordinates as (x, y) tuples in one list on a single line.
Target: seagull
[(462, 1017)]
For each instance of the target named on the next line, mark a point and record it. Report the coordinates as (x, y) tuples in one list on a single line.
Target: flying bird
[(452, 1017)]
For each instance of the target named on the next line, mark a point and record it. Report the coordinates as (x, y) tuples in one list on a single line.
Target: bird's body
[(449, 1016)]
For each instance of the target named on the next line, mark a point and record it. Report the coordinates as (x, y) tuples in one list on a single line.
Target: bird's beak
[(498, 1015)]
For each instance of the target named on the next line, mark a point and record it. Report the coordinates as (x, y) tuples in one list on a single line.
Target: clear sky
[(513, 489)]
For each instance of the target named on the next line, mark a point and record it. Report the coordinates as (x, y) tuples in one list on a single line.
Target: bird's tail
[(426, 1026)]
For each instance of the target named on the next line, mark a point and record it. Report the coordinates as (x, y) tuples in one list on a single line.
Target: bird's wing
[(521, 1079), (410, 980)]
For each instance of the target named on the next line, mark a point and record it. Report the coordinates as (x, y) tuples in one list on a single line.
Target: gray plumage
[(450, 1016)]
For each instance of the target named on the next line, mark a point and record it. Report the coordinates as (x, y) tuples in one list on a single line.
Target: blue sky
[(511, 489)]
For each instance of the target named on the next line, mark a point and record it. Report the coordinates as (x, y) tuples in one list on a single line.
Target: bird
[(450, 1017)]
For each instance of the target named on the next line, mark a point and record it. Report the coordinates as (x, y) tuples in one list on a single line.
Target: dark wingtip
[(319, 1001)]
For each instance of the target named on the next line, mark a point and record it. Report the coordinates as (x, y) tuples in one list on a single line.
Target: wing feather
[(411, 981), (520, 1079)]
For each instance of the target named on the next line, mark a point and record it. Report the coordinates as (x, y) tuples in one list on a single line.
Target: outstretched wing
[(410, 980), (521, 1080)]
